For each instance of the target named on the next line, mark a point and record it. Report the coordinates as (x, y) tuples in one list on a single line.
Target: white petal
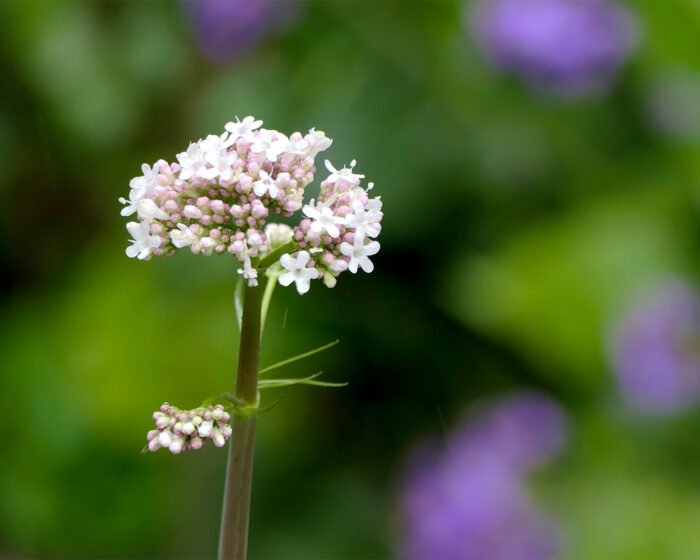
[(366, 264), (287, 262), (302, 285), (132, 251), (287, 278), (302, 259)]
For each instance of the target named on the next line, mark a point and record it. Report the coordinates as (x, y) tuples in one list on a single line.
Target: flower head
[(180, 430), (223, 191)]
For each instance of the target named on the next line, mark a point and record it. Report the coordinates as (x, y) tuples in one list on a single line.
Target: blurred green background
[(518, 227)]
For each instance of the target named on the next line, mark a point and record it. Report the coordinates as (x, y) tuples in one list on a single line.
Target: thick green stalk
[(233, 539)]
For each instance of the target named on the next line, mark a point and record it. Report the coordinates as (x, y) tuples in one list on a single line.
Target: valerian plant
[(225, 196)]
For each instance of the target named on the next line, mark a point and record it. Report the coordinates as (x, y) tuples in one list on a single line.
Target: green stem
[(233, 538)]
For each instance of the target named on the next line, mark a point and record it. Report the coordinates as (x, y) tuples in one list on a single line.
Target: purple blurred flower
[(228, 28), (656, 351), (469, 501), (571, 47)]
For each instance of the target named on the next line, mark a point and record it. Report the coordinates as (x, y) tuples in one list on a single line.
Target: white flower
[(324, 219), (148, 210), (183, 236), (192, 162), (132, 205), (248, 272), (222, 163), (213, 144), (297, 271), (271, 148), (344, 174), (364, 219), (142, 241), (242, 129), (265, 184), (316, 141), (297, 146), (359, 254), (141, 185)]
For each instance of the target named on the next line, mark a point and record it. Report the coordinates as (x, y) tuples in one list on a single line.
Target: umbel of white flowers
[(223, 191)]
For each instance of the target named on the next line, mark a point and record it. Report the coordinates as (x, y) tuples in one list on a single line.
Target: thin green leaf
[(310, 380), (298, 357)]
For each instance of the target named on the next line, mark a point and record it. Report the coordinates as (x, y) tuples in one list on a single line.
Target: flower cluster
[(571, 47), (180, 430), (222, 191), (468, 499), (655, 351)]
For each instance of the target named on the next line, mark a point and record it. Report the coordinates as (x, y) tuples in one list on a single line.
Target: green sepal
[(298, 357), (310, 380)]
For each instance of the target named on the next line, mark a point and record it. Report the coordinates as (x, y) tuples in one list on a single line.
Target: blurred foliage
[(518, 226)]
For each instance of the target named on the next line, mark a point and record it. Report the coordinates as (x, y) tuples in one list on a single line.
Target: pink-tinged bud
[(218, 438), (188, 428), (236, 210), (179, 185), (218, 413), (226, 417), (162, 180), (192, 212), (163, 422), (245, 184), (159, 192), (177, 444), (196, 443), (237, 246), (217, 206), (205, 428), (253, 168), (165, 438), (165, 408), (206, 220), (342, 211), (218, 219), (349, 237), (153, 445), (292, 206), (171, 205), (258, 210), (203, 202), (152, 434), (163, 166), (240, 222), (156, 229), (226, 431)]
